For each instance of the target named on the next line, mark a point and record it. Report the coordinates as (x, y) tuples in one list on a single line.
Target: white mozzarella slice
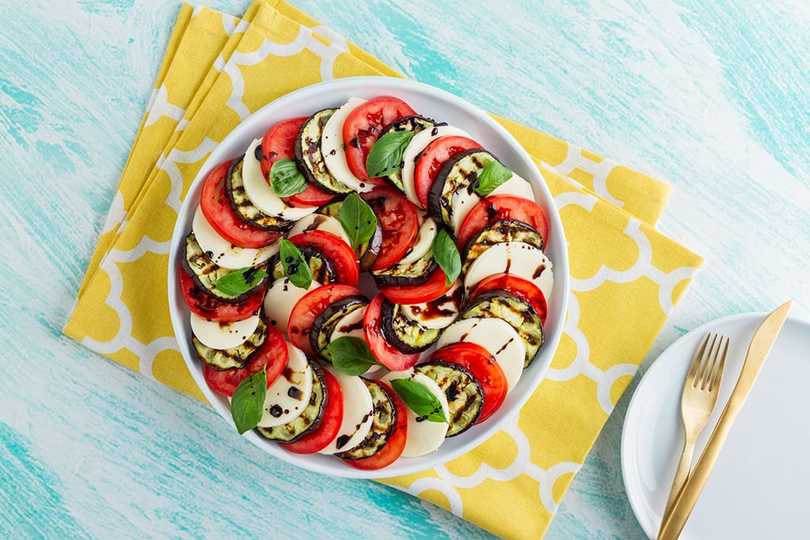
[(221, 336), (516, 258), (464, 200), (496, 336), (289, 395), (332, 148), (280, 299), (222, 252), (261, 193), (358, 414), (350, 325), (321, 223), (516, 186), (439, 313), (424, 436), (422, 244), (417, 144)]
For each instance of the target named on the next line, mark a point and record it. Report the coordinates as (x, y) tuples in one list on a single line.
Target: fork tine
[(708, 366), (704, 360), (717, 373), (696, 359)]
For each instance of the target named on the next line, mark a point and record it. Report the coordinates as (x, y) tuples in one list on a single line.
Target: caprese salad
[(453, 240)]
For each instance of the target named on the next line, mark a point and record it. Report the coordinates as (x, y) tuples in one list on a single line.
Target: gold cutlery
[(761, 345)]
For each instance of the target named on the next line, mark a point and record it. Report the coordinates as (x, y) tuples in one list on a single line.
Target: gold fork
[(699, 396)]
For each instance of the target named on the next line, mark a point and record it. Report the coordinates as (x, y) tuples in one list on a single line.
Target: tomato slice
[(385, 353), (430, 161), (307, 309), (483, 366), (279, 143), (217, 209), (432, 289), (398, 219), (212, 308), (395, 444), (331, 418), (516, 285), (341, 254), (272, 357), (362, 127), (497, 207)]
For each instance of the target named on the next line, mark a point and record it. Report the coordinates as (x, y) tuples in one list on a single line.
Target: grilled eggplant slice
[(367, 252), (241, 203), (458, 173), (324, 324), (322, 270), (465, 398), (206, 273), (403, 333), (309, 157), (237, 356), (516, 311), (415, 273), (506, 230), (413, 123), (384, 421), (310, 417)]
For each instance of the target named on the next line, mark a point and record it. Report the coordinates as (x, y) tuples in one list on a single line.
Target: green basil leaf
[(419, 399), (286, 178), (446, 255), (493, 175), (247, 403), (350, 355), (358, 220), (386, 155), (240, 281), (296, 267)]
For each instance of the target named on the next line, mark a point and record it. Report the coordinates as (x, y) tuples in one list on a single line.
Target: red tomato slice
[(395, 444), (497, 207), (327, 429), (217, 209), (341, 254), (517, 286), (483, 366), (279, 143), (430, 161), (307, 309), (398, 219), (272, 357), (385, 353), (362, 127), (432, 289), (212, 308)]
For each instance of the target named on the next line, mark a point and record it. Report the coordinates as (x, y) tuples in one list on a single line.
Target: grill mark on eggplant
[(242, 205), (384, 421), (453, 388), (309, 157), (324, 324), (320, 266), (200, 265), (235, 357), (392, 320), (416, 273), (414, 123), (311, 416), (505, 230), (440, 197)]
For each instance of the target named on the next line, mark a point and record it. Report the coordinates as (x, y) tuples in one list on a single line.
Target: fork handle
[(681, 475)]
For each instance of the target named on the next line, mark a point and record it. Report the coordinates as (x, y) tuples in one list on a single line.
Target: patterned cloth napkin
[(626, 276)]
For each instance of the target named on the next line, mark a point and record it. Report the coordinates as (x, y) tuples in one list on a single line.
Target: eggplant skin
[(414, 123), (396, 328), (324, 324), (241, 203), (311, 416), (320, 266), (205, 272), (506, 230), (235, 357), (384, 421), (438, 200), (416, 273), (367, 253), (309, 157), (465, 397)]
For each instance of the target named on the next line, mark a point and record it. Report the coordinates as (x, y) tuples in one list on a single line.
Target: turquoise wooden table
[(710, 95)]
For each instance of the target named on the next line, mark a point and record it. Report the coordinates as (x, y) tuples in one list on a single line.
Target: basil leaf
[(493, 175), (286, 178), (419, 399), (240, 281), (358, 220), (446, 255), (386, 155), (350, 355), (247, 403), (296, 267)]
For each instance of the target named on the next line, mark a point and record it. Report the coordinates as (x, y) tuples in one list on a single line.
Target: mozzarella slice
[(333, 149), (439, 313), (422, 244), (289, 395), (222, 336), (517, 186), (464, 200), (350, 325), (496, 336), (516, 258), (322, 223), (358, 414), (424, 436), (280, 299), (417, 144), (261, 193), (222, 252)]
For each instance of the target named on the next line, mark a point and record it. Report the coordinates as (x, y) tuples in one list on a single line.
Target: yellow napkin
[(626, 276)]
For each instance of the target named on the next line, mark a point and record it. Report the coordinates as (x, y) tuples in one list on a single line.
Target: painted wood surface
[(712, 96)]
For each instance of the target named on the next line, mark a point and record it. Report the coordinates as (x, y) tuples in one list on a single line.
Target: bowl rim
[(531, 377)]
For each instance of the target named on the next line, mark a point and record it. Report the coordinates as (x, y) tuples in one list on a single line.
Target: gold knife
[(758, 350)]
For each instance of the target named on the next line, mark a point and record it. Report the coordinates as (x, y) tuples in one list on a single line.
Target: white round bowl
[(427, 101)]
